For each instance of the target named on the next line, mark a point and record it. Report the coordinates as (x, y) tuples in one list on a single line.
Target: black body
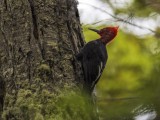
[(93, 57)]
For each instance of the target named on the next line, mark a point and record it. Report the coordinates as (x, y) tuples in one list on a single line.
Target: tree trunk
[(38, 40)]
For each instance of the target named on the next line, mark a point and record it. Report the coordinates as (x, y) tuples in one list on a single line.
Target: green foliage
[(141, 8)]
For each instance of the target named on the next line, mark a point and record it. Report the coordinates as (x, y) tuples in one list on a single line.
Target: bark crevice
[(70, 31), (35, 26), (6, 6), (2, 94)]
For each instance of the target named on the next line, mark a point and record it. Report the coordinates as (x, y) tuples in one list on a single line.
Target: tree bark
[(38, 40)]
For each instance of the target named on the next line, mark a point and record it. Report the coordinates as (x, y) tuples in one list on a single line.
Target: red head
[(107, 34)]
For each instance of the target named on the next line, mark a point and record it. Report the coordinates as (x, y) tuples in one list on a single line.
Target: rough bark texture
[(38, 40)]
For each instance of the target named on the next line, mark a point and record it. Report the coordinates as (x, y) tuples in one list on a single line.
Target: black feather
[(93, 57)]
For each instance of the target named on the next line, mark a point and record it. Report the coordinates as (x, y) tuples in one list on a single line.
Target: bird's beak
[(97, 31)]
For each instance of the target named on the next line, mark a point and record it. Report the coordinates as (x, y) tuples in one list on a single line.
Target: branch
[(118, 99), (118, 18)]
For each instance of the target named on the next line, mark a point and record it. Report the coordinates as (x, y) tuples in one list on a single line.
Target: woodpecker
[(94, 56)]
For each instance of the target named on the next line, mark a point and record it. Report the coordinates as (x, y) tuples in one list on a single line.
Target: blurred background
[(129, 88)]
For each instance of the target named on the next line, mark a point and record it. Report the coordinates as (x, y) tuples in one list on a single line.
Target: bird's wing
[(93, 70), (93, 65)]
